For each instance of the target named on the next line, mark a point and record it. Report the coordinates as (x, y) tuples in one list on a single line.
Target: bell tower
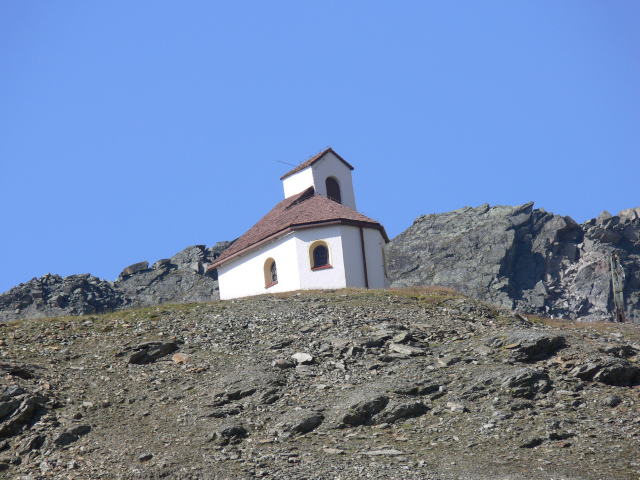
[(328, 173)]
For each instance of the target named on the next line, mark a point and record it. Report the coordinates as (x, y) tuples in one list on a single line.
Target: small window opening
[(270, 273), (320, 256), (333, 189)]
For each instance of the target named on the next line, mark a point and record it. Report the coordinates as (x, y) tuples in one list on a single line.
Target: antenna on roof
[(286, 163)]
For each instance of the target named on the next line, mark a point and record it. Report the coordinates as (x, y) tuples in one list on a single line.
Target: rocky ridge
[(179, 279), (523, 258), (421, 383)]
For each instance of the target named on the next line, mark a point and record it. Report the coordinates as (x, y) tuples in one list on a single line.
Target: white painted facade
[(243, 276), (249, 273), (316, 175), (352, 253)]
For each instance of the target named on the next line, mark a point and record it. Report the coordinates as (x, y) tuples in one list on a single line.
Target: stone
[(145, 457), (151, 351), (611, 401), (378, 340), (484, 350), (181, 358), (585, 371), (135, 268), (230, 435), (405, 349), (397, 410), (402, 337), (299, 422), (448, 360), (388, 452), (528, 346), (457, 407), (532, 442), (283, 364), (610, 236), (33, 442), (361, 412), (526, 383), (302, 358), (617, 372), (333, 451), (160, 264)]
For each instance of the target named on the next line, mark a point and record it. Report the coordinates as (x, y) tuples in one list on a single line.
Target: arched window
[(333, 189), (270, 273), (319, 255)]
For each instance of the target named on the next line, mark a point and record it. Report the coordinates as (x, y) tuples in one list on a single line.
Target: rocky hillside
[(181, 278), (419, 384), (523, 258)]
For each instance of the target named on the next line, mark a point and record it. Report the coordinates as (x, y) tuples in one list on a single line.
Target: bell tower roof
[(313, 160)]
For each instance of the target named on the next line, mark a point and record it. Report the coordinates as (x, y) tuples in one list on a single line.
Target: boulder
[(360, 412), (135, 268), (528, 345), (526, 383), (618, 372), (151, 351), (230, 435), (299, 422), (397, 410)]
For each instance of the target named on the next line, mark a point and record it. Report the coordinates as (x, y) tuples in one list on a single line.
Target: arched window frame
[(331, 177), (312, 247), (268, 278)]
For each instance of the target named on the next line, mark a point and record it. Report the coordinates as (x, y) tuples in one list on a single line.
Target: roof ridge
[(307, 163)]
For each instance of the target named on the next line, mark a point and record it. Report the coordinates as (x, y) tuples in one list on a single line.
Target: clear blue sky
[(130, 130)]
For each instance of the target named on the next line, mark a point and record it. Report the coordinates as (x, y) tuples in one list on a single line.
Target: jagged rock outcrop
[(180, 279), (523, 258), (53, 295)]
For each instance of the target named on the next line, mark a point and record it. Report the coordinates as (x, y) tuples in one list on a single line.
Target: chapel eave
[(303, 226)]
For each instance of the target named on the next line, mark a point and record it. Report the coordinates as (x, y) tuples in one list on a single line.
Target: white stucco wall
[(298, 182), (374, 243), (244, 276), (333, 277), (316, 176), (352, 254)]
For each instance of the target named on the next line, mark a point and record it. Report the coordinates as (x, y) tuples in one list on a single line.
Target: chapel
[(313, 239)]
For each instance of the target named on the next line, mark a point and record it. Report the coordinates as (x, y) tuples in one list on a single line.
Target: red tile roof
[(299, 211), (313, 160)]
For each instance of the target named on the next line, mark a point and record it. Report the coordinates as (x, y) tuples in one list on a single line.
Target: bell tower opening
[(333, 189)]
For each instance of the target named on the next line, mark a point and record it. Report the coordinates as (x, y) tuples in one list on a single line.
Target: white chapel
[(313, 239)]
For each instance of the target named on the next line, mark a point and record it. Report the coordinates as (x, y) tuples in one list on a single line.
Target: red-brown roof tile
[(298, 211), (313, 160)]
